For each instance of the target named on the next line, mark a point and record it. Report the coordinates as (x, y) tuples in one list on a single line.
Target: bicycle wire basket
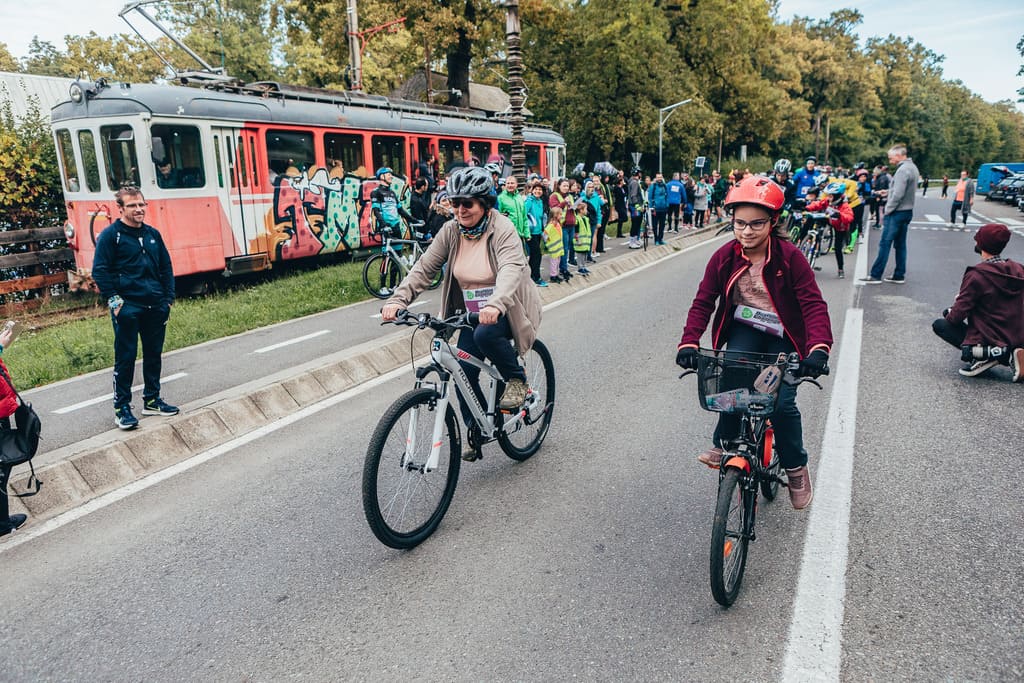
[(739, 381)]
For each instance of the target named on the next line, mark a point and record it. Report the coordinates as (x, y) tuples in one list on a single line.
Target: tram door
[(241, 190)]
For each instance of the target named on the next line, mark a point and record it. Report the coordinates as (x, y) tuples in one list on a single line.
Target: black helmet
[(859, 165), (812, 158), (783, 166), (472, 182), (636, 171)]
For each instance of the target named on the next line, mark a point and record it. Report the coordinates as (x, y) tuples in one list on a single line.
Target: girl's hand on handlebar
[(489, 315), (390, 312)]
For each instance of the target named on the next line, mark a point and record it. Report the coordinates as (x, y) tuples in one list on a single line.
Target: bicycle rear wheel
[(381, 274), (825, 239), (403, 502), (526, 439), (809, 248), (729, 538)]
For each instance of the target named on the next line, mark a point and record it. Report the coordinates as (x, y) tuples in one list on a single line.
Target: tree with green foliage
[(7, 60)]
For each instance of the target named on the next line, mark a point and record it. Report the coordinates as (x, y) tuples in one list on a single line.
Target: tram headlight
[(76, 92), (69, 230)]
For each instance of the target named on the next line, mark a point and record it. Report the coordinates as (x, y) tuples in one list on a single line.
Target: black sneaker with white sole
[(896, 280), (157, 406), (978, 367), (124, 419)]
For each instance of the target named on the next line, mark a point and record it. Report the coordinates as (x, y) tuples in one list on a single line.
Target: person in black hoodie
[(986, 322), (132, 269)]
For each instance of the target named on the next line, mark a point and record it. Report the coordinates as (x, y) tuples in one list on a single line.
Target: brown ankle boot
[(800, 493)]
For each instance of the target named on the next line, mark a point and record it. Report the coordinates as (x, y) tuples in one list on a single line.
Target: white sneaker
[(1017, 364)]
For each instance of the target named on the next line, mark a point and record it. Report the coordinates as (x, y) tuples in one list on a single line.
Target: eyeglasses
[(463, 203), (756, 226)]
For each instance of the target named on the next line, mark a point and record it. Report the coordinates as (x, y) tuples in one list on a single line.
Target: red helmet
[(757, 190)]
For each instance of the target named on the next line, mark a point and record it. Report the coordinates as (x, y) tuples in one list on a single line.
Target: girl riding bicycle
[(488, 274), (762, 272)]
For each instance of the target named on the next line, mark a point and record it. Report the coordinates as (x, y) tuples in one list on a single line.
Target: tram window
[(67, 158), (389, 150), (220, 165), (532, 159), (90, 165), (344, 154), (289, 152), (450, 152), (479, 149), (505, 150), (231, 159), (180, 162), (118, 144), (243, 173)]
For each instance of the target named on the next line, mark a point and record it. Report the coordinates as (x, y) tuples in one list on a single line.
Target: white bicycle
[(413, 460)]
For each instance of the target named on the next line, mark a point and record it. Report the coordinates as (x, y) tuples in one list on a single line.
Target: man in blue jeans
[(899, 210), (132, 269)]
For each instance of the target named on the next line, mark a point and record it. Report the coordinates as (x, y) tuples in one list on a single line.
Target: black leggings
[(534, 247), (634, 228)]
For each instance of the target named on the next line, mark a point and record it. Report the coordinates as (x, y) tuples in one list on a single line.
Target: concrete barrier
[(103, 463)]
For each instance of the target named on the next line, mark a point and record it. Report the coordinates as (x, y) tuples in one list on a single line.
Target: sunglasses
[(463, 203)]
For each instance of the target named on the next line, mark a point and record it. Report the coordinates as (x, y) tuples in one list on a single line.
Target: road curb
[(80, 472)]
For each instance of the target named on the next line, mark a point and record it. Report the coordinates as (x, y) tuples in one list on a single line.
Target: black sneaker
[(13, 522), (870, 280), (897, 280), (978, 367), (124, 419), (157, 406)]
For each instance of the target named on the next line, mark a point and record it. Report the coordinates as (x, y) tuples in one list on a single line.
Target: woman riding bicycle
[(487, 273), (763, 271)]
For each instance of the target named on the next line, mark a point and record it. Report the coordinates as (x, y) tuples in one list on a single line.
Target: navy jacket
[(134, 263)]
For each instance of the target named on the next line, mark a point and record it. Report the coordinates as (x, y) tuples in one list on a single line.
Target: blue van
[(990, 174)]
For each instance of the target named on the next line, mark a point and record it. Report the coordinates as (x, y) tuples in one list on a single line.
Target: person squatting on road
[(132, 269), (840, 216), (487, 274), (765, 271), (986, 322)]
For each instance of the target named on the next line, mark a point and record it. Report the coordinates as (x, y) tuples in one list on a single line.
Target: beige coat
[(515, 294)]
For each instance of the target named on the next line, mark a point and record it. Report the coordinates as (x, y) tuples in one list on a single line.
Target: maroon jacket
[(790, 283), (991, 300)]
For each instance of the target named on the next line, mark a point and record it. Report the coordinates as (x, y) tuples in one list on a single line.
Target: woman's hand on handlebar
[(389, 313), (489, 315)]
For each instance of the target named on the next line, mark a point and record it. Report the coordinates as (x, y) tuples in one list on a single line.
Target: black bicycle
[(746, 384)]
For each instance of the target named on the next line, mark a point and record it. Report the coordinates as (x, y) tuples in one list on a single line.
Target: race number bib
[(476, 298), (764, 321)]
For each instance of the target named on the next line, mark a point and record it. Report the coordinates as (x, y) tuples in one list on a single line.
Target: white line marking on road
[(860, 270), (814, 647), (19, 537), (110, 397), (414, 304), (296, 340), (934, 218)]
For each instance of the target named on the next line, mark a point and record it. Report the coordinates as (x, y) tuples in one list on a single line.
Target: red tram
[(240, 178)]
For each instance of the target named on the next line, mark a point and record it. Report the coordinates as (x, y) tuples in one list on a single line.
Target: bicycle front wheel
[(729, 538), (527, 436), (403, 501), (381, 274), (809, 248), (827, 237)]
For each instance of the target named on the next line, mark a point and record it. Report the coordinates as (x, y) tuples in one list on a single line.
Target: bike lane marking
[(289, 342), (814, 645)]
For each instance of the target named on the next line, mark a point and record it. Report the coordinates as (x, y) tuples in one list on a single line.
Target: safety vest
[(553, 240), (581, 242)]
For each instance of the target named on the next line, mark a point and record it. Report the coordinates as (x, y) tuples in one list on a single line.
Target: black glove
[(686, 358), (814, 365)]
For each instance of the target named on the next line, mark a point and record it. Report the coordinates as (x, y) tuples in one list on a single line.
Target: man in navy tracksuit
[(132, 269)]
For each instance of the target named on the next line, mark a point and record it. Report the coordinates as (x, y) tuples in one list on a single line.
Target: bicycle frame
[(417, 251), (446, 363)]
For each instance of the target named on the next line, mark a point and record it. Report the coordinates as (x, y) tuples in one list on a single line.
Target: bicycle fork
[(436, 441)]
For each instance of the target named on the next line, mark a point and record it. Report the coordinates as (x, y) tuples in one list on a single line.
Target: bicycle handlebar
[(790, 377), (425, 320)]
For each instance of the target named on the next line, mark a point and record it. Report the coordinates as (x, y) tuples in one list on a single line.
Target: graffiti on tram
[(317, 212)]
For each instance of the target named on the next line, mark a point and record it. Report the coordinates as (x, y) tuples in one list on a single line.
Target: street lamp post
[(663, 115)]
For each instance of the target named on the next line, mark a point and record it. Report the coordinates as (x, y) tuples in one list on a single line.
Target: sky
[(978, 38)]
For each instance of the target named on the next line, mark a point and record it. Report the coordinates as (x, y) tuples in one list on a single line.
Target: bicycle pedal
[(472, 456)]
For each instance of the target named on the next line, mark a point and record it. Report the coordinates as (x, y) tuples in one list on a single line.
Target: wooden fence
[(46, 247)]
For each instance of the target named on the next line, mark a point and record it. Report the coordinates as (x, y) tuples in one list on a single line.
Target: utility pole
[(357, 41), (516, 88)]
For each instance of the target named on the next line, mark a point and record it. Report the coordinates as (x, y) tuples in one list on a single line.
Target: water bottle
[(729, 401)]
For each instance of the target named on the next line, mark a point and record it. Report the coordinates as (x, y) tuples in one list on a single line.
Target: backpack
[(19, 441)]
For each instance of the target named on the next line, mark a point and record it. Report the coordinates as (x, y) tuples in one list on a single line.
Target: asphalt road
[(590, 559)]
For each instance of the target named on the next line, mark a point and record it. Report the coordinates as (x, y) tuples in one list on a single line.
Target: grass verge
[(82, 346)]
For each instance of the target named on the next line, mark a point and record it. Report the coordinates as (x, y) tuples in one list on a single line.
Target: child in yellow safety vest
[(581, 240), (552, 237)]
